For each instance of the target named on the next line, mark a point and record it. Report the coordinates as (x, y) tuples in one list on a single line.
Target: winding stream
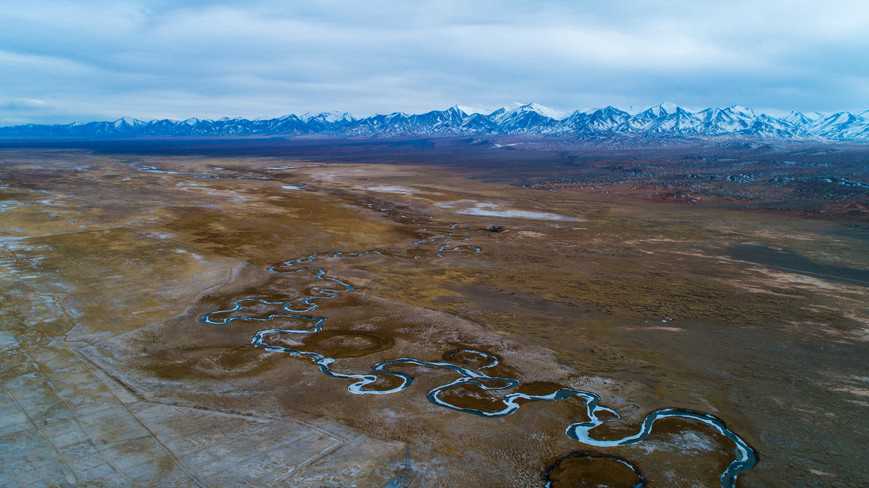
[(382, 379)]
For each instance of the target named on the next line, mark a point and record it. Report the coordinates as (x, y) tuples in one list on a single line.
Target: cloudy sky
[(62, 61)]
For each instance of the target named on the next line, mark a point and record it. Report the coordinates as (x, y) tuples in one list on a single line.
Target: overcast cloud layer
[(92, 60)]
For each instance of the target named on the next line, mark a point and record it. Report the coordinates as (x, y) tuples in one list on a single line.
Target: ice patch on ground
[(515, 214), (196, 257), (156, 170), (455, 203), (400, 190), (7, 205), (694, 441), (685, 442), (293, 187), (489, 209), (7, 341)]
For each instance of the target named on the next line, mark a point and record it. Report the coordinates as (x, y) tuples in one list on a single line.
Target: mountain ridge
[(663, 120)]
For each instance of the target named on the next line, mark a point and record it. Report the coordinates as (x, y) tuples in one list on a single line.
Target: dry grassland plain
[(155, 329)]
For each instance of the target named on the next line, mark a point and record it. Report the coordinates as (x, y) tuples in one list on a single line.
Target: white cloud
[(261, 58)]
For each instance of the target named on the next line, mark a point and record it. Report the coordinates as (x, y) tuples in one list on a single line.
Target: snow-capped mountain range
[(660, 121)]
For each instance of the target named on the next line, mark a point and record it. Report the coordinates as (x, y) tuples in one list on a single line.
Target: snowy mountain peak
[(538, 109), (333, 116), (801, 119), (664, 120), (127, 122), (741, 110), (840, 118), (657, 111), (663, 109), (610, 110)]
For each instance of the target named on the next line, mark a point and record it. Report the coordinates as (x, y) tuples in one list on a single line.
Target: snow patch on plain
[(490, 209), (399, 190)]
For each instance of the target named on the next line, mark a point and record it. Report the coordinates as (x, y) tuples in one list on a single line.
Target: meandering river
[(299, 316)]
